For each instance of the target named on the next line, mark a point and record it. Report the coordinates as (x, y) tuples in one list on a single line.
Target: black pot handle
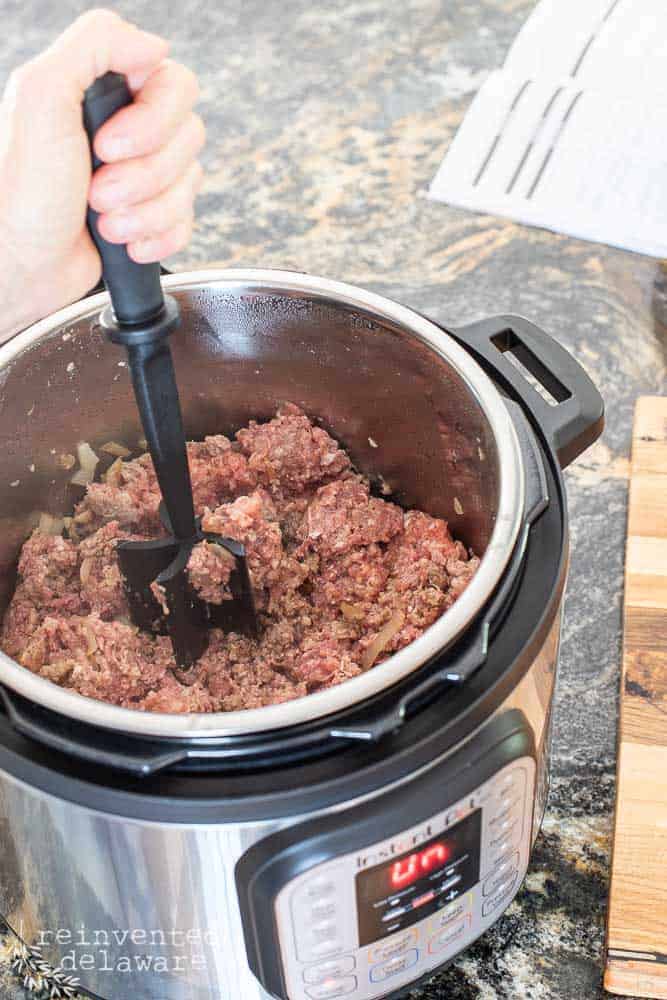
[(574, 417)]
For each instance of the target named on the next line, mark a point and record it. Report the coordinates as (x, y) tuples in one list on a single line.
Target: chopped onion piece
[(85, 570), (113, 473), (82, 477), (91, 640), (50, 525), (118, 450), (66, 461), (352, 612), (87, 457), (88, 462), (382, 639)]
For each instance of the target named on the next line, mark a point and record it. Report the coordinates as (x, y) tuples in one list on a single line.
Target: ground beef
[(99, 572), (344, 516), (133, 502), (253, 521), (428, 570), (356, 577), (289, 454), (111, 661), (342, 579), (219, 471), (48, 567)]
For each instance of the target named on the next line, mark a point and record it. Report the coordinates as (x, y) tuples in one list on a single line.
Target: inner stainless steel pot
[(409, 404)]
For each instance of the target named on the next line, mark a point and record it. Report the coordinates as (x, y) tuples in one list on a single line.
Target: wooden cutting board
[(637, 925)]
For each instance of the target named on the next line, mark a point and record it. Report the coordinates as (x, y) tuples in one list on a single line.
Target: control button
[(323, 908), (451, 913), (331, 988), (505, 869), (394, 946), (500, 850), (322, 950), (316, 888), (507, 808), (335, 969), (509, 829), (493, 902), (448, 884), (394, 913), (448, 936), (323, 931), (392, 968)]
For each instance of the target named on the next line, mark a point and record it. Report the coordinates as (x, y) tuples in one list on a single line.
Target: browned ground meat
[(289, 453), (99, 572), (342, 579), (343, 516)]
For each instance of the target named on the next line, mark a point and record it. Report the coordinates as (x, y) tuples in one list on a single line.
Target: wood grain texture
[(632, 978), (637, 924)]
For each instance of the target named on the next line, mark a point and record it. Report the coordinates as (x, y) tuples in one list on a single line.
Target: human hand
[(144, 192)]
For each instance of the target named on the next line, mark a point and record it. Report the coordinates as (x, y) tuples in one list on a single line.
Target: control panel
[(374, 920), (364, 899)]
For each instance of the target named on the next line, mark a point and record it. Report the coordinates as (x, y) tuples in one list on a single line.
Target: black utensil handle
[(574, 417), (135, 290), (156, 392), (142, 322)]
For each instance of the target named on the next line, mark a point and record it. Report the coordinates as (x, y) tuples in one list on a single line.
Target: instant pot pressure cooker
[(351, 842)]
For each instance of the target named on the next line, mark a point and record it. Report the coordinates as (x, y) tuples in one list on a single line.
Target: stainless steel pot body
[(149, 910), (411, 406)]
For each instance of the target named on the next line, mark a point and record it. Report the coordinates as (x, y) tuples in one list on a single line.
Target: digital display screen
[(406, 888)]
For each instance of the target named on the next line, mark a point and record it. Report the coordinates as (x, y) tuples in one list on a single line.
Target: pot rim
[(357, 689)]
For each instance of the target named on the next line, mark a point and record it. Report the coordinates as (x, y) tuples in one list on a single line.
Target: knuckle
[(148, 173), (197, 175), (199, 131), (182, 235), (99, 19), (187, 81), (25, 79)]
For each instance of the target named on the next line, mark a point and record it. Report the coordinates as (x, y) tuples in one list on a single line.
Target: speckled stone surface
[(326, 124)]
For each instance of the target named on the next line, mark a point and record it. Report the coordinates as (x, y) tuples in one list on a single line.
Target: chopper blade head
[(162, 600), (239, 614), (185, 615), (140, 564)]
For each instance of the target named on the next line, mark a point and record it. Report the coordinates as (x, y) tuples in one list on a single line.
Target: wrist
[(18, 308), (29, 292)]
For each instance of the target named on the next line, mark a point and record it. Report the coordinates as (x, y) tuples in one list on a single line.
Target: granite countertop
[(326, 123)]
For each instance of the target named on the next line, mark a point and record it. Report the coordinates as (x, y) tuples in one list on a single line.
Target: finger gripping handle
[(135, 290)]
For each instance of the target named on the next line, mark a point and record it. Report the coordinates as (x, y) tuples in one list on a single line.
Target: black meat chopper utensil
[(141, 319)]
